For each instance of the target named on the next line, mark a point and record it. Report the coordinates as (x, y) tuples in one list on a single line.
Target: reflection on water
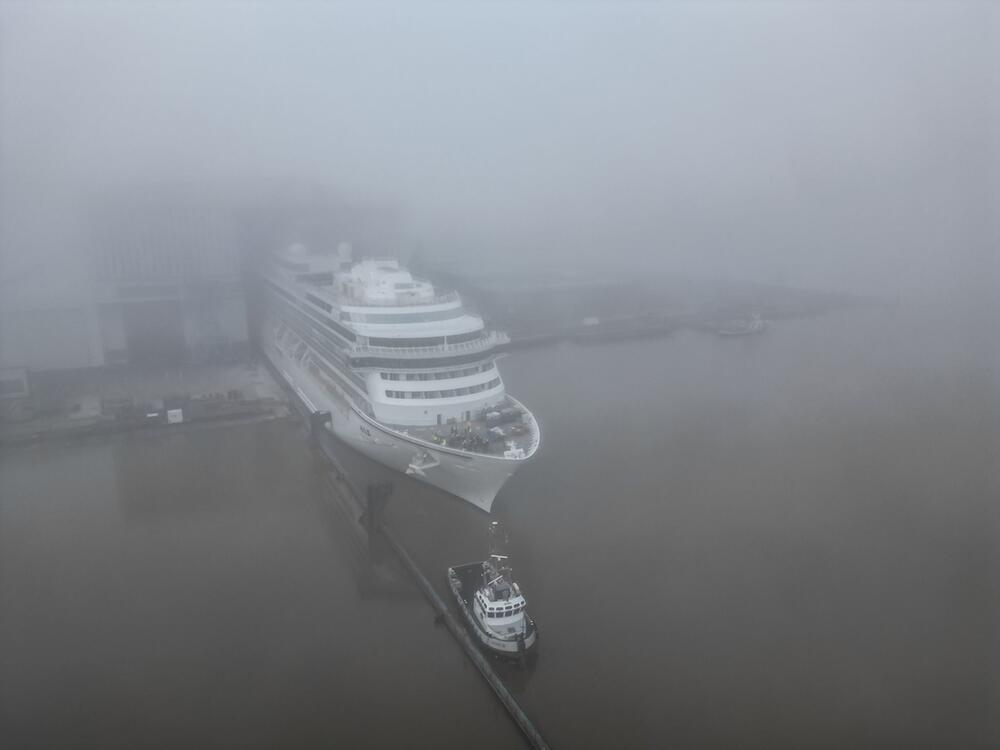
[(194, 589), (779, 541)]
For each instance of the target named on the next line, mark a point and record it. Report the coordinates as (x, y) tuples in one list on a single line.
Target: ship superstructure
[(408, 374)]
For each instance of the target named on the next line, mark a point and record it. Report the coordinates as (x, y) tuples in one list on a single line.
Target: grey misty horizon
[(847, 148)]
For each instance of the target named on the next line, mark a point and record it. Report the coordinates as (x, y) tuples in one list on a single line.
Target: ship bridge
[(382, 282)]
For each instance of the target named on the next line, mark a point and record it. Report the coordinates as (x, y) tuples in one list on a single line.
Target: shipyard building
[(144, 279), (167, 283)]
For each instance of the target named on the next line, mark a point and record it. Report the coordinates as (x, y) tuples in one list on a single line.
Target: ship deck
[(470, 578), (479, 435)]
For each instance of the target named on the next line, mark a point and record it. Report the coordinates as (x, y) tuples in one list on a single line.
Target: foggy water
[(779, 541), (192, 590), (785, 541)]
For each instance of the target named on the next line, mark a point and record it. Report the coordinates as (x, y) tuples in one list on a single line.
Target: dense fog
[(842, 146), (703, 308)]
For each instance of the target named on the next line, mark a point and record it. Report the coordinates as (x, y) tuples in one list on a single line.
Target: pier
[(365, 509)]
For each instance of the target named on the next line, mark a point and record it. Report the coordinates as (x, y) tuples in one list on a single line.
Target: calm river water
[(785, 541)]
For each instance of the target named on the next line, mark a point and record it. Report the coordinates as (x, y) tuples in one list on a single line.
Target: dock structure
[(369, 517), (367, 510), (456, 628)]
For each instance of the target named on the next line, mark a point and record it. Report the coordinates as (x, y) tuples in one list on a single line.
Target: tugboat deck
[(469, 576)]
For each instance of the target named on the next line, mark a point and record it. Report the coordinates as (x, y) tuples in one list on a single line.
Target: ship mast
[(496, 568)]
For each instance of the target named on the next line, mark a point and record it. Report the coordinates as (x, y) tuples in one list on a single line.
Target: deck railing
[(437, 299), (487, 341)]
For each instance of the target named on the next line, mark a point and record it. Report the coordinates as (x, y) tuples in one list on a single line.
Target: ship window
[(413, 317), (280, 291), (349, 335), (319, 303), (429, 341), (462, 337), (377, 362), (447, 375)]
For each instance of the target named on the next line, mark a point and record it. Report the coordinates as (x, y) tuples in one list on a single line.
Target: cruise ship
[(408, 374)]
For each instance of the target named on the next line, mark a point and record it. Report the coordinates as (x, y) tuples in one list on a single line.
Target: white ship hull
[(474, 477)]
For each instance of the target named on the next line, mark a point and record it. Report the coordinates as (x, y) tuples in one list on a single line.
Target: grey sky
[(849, 146)]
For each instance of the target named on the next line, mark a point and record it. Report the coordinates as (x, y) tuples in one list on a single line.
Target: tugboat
[(492, 602)]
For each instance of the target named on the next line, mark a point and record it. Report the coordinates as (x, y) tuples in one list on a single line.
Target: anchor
[(421, 461)]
